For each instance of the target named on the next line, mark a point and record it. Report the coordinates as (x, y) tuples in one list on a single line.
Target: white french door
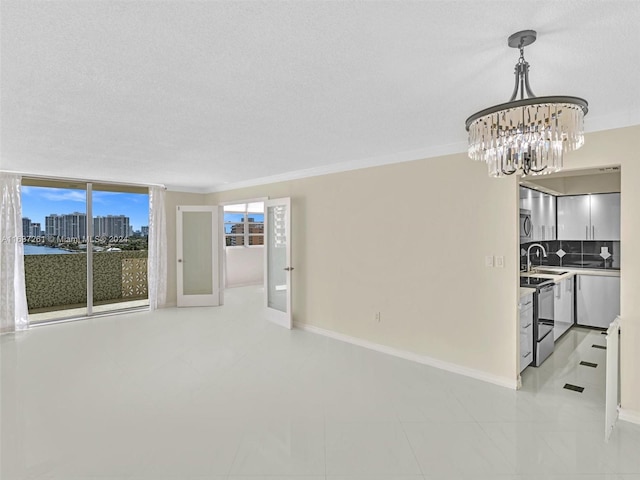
[(197, 256), (278, 269)]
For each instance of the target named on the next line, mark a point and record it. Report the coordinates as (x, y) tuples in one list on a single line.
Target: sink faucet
[(544, 252)]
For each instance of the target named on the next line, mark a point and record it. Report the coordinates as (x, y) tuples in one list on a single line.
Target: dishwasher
[(544, 324)]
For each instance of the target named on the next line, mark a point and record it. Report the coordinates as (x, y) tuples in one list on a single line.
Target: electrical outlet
[(500, 261), (377, 316), (488, 261)]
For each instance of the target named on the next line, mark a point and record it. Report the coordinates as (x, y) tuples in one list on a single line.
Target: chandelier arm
[(515, 87), (530, 94), (537, 171)]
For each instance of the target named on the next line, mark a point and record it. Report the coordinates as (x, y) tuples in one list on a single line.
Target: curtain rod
[(70, 179)]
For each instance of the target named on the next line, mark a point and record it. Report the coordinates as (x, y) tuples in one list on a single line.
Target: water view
[(42, 250)]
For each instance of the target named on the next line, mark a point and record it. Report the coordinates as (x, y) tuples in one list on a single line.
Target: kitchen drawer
[(526, 318), (526, 346), (525, 359)]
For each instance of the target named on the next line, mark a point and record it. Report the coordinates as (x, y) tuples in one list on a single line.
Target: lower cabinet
[(597, 300), (526, 331), (562, 307)]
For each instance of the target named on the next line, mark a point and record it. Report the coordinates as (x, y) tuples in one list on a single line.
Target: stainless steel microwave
[(526, 227)]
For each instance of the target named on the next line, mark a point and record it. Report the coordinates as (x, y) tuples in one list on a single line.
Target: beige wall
[(173, 199), (408, 240), (609, 148)]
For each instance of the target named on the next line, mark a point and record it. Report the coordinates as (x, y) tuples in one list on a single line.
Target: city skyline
[(41, 202)]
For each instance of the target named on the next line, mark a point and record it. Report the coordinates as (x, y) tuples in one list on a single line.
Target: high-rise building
[(26, 226), (111, 226), (144, 231), (71, 225), (34, 230)]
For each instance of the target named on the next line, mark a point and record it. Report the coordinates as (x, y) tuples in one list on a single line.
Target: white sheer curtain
[(157, 262), (13, 296)]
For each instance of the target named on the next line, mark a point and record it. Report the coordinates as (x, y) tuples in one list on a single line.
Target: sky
[(39, 202)]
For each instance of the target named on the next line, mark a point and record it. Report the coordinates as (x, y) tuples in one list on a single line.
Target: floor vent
[(575, 388), (589, 364), (601, 347)]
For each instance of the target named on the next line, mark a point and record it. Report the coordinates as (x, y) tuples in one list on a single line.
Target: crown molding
[(377, 161)]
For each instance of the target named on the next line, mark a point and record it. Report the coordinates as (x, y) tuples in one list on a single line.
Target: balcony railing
[(59, 282)]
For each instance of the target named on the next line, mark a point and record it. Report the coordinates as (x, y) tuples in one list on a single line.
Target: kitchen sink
[(547, 272)]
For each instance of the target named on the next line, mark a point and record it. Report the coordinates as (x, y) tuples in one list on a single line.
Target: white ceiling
[(208, 95)]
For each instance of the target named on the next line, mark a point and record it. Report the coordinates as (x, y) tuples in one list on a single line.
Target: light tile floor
[(219, 393)]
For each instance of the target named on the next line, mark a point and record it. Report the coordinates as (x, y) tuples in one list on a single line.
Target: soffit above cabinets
[(576, 183)]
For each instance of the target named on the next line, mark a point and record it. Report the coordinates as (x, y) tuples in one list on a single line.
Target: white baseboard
[(414, 357), (629, 416)]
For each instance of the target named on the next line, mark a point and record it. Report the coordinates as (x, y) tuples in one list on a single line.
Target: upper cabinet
[(574, 217), (605, 216), (543, 213), (589, 217)]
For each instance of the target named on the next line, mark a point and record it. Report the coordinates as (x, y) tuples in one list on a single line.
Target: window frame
[(246, 234)]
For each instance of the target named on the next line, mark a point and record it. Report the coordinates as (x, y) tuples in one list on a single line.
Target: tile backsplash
[(573, 254)]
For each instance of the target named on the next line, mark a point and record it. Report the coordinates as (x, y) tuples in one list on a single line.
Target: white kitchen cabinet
[(526, 330), (589, 217), (574, 217), (605, 216), (562, 307), (597, 300), (543, 213)]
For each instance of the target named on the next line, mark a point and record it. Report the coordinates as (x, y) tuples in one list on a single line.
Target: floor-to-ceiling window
[(85, 248)]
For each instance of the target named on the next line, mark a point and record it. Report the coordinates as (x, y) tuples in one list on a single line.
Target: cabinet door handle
[(586, 232), (593, 232), (526, 355), (526, 326)]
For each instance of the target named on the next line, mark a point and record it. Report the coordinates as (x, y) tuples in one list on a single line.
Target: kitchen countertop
[(524, 291), (570, 272)]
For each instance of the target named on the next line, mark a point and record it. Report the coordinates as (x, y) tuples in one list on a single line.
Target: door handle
[(288, 269), (593, 232), (179, 260), (586, 232)]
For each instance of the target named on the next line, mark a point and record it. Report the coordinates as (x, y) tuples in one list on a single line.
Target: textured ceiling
[(205, 95)]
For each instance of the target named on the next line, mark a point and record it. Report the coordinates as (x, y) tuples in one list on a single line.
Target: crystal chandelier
[(526, 135)]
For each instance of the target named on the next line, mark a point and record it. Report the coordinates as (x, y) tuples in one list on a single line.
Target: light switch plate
[(488, 261), (500, 261)]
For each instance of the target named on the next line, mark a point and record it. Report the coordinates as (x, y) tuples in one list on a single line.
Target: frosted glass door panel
[(197, 253), (197, 256), (277, 259)]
